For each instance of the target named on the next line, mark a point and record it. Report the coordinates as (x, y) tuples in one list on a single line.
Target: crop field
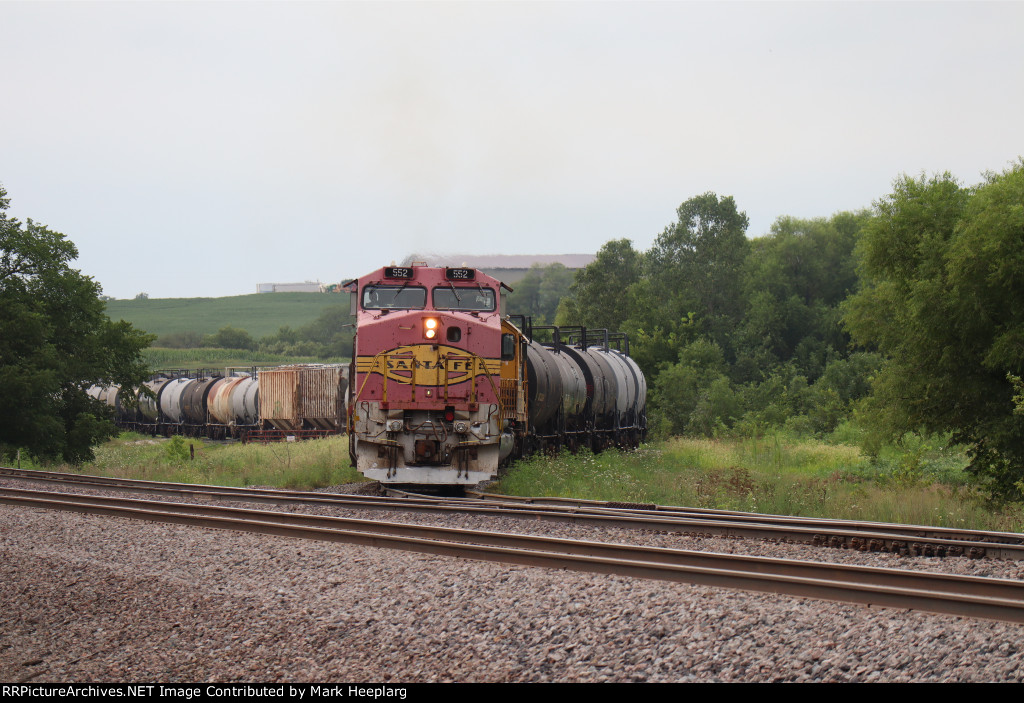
[(258, 314), (211, 358)]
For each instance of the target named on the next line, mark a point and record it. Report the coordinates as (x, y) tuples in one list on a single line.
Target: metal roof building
[(505, 267)]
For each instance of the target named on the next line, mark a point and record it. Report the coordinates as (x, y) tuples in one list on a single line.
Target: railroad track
[(851, 526), (908, 540), (988, 598)]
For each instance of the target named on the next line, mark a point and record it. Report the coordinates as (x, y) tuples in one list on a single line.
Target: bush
[(176, 450), (180, 340), (230, 338)]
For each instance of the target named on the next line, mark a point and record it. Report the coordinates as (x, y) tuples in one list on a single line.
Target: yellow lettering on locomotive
[(430, 365)]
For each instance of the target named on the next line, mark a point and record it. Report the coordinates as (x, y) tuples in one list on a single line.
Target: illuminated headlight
[(462, 427), (430, 327), (395, 425)]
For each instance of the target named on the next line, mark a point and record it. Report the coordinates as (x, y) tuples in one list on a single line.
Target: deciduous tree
[(696, 266), (796, 277), (55, 341), (943, 300), (599, 297)]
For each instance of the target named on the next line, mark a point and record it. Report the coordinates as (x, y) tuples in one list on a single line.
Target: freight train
[(444, 389), (268, 403)]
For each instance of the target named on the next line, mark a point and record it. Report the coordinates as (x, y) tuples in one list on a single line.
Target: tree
[(330, 335), (943, 301), (55, 342), (680, 390), (796, 277), (229, 337), (331, 332), (696, 266), (599, 295), (554, 286), (539, 292)]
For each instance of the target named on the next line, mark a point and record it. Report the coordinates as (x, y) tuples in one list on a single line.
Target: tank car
[(305, 400), (583, 390), (443, 389)]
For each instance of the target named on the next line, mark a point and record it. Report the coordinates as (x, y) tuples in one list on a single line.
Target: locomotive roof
[(430, 275)]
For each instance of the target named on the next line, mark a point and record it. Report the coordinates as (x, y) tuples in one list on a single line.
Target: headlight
[(430, 327), (395, 425)]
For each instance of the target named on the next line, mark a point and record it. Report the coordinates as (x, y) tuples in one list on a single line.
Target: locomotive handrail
[(478, 364), (526, 326), (373, 364)]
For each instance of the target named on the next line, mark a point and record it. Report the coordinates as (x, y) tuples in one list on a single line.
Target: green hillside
[(259, 314)]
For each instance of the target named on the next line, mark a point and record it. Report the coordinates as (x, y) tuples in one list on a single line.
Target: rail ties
[(907, 540), (912, 540), (996, 599)]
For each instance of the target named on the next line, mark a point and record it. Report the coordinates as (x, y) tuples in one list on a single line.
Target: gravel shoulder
[(102, 599)]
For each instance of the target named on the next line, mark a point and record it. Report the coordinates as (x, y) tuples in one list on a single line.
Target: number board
[(460, 274), (397, 272)]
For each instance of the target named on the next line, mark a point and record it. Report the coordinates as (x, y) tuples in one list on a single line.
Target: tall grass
[(778, 475), (313, 463), (915, 483)]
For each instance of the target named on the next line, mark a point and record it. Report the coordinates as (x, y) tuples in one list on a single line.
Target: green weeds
[(308, 464), (919, 481)]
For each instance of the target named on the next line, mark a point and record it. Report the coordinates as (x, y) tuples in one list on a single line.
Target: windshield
[(394, 298), (455, 298)]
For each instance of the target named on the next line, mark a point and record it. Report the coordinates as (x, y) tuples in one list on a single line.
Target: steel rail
[(258, 495), (504, 501), (819, 533), (918, 540), (767, 518), (1004, 588), (994, 599)]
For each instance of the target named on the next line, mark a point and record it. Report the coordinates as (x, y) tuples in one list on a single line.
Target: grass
[(305, 465), (918, 482), (260, 314), (212, 358), (778, 475)]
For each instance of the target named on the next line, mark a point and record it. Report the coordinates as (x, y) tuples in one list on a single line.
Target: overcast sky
[(197, 148)]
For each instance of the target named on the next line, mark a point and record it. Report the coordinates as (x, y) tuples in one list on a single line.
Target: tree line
[(905, 318)]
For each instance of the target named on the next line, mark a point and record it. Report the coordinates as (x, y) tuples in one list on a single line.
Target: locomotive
[(444, 388)]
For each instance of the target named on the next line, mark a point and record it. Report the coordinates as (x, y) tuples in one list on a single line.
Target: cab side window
[(508, 347)]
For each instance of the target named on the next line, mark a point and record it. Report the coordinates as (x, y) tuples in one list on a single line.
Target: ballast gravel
[(87, 598)]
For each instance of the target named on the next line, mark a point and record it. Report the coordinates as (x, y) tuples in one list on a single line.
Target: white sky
[(197, 148)]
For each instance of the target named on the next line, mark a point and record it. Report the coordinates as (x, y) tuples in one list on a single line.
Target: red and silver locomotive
[(443, 388)]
